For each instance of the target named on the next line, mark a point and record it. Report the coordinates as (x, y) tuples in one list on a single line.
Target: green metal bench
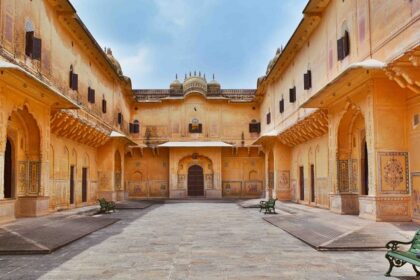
[(399, 258), (268, 206), (106, 206)]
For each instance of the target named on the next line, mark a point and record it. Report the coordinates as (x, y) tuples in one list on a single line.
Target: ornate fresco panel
[(137, 188), (231, 188), (393, 172), (284, 180), (415, 185), (353, 174), (158, 189), (29, 177), (343, 175), (208, 181), (252, 188)]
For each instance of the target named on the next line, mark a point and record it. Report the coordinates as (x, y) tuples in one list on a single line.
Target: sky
[(155, 39)]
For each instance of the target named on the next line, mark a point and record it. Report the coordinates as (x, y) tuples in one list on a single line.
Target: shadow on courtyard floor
[(17, 266)]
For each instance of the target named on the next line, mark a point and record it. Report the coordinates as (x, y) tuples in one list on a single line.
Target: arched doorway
[(352, 156), (8, 170), (195, 181), (22, 155)]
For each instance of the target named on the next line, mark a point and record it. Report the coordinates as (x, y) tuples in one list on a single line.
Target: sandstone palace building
[(333, 123)]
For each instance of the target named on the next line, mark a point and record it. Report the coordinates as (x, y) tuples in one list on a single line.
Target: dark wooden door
[(195, 181), (8, 165), (72, 184), (312, 183), (365, 170), (301, 183), (84, 184)]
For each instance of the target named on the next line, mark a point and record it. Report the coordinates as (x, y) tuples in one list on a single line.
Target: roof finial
[(185, 76), (213, 76), (199, 73), (204, 76), (176, 76)]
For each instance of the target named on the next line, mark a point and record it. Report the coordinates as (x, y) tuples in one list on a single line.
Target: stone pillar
[(266, 175), (1, 174)]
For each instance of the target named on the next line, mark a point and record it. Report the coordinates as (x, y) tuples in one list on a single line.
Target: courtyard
[(196, 240)]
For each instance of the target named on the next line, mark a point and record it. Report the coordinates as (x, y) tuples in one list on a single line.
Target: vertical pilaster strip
[(370, 139), (3, 125)]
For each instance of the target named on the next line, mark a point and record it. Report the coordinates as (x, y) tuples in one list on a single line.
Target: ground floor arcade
[(354, 151)]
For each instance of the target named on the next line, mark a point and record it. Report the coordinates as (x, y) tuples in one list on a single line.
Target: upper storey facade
[(196, 110), (333, 37), (48, 40)]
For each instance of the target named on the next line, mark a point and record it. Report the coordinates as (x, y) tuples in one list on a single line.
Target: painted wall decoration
[(208, 181), (284, 179), (158, 188), (343, 175), (232, 188), (353, 175), (252, 188), (393, 172), (415, 182), (137, 189)]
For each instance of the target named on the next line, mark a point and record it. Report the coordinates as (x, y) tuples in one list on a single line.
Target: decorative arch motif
[(350, 138), (117, 170), (23, 131), (204, 162)]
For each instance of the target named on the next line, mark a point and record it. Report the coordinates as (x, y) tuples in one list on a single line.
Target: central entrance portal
[(195, 181)]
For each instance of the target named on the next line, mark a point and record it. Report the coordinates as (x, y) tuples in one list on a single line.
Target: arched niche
[(23, 136)]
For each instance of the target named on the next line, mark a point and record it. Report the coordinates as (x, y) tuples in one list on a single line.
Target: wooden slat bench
[(399, 258)]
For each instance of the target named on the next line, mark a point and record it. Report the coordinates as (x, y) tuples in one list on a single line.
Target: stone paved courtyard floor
[(195, 240)]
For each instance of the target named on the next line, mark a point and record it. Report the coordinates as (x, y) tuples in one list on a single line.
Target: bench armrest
[(393, 244)]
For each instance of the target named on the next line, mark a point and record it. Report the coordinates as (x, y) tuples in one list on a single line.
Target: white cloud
[(175, 16), (138, 66)]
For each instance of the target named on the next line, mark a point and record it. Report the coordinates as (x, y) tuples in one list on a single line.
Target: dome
[(214, 82), (213, 87), (274, 60), (113, 61), (176, 84), (195, 83)]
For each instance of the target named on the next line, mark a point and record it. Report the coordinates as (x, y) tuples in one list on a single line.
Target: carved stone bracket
[(310, 127)]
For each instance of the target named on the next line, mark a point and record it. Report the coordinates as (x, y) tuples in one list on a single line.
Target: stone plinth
[(385, 208), (32, 206), (344, 203), (7, 210), (121, 195), (179, 193), (108, 195), (212, 193), (283, 195)]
